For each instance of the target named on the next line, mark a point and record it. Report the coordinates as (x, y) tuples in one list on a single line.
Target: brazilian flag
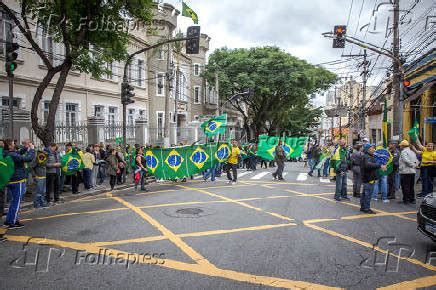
[(6, 169), (293, 146), (214, 126), (41, 157), (382, 156), (414, 132), (119, 140), (71, 162), (188, 12)]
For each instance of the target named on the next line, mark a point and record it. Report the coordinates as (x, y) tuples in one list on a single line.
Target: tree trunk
[(46, 133)]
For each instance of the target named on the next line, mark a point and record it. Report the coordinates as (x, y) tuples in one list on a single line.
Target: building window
[(112, 115), (160, 83), (46, 109), (160, 124), (196, 69), (71, 111), (161, 54), (109, 68), (140, 72), (131, 116), (196, 95), (98, 111), (15, 103)]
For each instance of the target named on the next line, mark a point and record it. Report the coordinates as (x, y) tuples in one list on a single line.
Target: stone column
[(141, 132), (95, 130)]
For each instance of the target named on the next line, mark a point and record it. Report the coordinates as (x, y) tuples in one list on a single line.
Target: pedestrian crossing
[(265, 175)]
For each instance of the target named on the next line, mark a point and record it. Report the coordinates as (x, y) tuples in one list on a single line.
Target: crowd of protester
[(372, 180)]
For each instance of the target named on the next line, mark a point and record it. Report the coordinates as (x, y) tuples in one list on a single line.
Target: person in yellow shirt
[(428, 166), (88, 161), (232, 162)]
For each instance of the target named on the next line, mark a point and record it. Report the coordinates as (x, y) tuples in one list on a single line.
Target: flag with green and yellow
[(188, 12)]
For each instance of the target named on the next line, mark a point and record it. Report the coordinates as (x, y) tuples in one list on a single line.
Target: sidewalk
[(67, 195)]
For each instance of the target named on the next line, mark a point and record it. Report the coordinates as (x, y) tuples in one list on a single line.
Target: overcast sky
[(296, 26)]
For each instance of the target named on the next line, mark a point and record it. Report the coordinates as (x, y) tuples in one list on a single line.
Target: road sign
[(430, 120)]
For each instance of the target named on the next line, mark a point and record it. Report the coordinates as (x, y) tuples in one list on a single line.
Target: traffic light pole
[(11, 106), (125, 79)]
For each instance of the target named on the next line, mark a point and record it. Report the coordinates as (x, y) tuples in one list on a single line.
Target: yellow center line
[(413, 284), (176, 265), (194, 234), (237, 202), (310, 224), (166, 232)]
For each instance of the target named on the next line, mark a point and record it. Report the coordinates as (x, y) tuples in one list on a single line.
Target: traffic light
[(127, 94), (193, 45), (339, 32), (11, 57), (408, 91)]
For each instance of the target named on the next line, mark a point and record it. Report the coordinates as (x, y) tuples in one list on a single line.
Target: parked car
[(427, 216)]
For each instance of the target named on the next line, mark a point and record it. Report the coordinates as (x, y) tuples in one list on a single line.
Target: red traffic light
[(406, 83)]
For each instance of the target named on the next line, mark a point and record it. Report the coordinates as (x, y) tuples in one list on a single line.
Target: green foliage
[(94, 32), (281, 84)]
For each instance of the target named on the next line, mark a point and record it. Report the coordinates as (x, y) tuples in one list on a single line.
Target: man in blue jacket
[(17, 184)]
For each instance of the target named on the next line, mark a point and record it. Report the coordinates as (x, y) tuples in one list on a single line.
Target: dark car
[(427, 216)]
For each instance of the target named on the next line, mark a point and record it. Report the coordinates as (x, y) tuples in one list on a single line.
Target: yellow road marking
[(194, 234), (361, 216), (210, 271), (74, 213), (310, 224), (413, 284), (166, 232), (237, 202)]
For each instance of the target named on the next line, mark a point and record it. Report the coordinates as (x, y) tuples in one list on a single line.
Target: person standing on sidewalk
[(392, 188), (39, 170), (17, 184), (52, 176), (88, 162), (356, 162), (369, 177), (280, 160), (408, 164), (340, 164), (112, 169), (428, 165), (232, 163), (140, 169)]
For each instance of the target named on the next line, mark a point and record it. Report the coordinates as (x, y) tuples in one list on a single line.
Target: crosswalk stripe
[(260, 175), (198, 176), (243, 173), (302, 176), (284, 174), (324, 180)]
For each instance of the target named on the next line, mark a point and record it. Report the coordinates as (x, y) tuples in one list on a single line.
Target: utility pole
[(217, 94), (362, 110), (176, 97), (169, 78), (397, 79), (350, 113), (11, 106)]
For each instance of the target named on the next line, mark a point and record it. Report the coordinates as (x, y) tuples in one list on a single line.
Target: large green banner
[(180, 162), (293, 146)]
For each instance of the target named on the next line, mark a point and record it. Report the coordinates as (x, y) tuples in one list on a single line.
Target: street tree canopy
[(93, 32), (280, 85)]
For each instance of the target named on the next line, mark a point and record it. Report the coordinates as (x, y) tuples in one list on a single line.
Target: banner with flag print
[(7, 168), (179, 162), (214, 126)]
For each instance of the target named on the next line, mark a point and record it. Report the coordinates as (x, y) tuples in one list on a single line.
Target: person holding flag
[(232, 163), (17, 184), (340, 161), (392, 187), (280, 158), (428, 166)]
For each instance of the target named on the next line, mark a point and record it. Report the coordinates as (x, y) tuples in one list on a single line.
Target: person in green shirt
[(340, 164)]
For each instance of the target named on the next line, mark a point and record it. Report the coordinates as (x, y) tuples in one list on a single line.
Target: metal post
[(350, 112), (11, 106)]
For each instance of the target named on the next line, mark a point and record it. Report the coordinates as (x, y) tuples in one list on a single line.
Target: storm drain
[(190, 212)]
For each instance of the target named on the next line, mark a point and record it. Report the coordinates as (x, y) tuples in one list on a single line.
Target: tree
[(280, 84), (93, 32)]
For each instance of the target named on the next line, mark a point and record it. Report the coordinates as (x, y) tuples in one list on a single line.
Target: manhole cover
[(192, 211)]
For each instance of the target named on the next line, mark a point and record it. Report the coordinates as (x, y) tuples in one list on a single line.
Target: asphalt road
[(253, 235)]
